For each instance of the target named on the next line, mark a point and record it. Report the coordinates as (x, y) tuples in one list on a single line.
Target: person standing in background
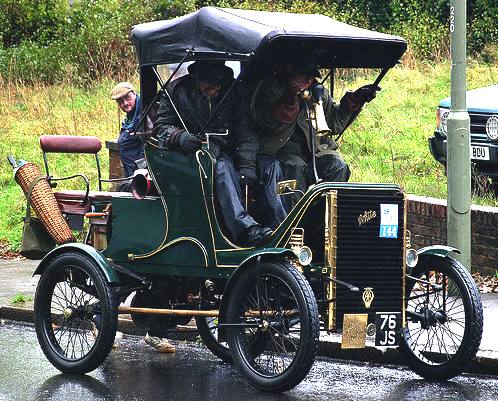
[(130, 146)]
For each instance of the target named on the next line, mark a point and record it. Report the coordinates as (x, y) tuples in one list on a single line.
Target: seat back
[(71, 144)]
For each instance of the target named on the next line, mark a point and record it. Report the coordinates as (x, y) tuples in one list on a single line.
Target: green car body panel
[(161, 236)]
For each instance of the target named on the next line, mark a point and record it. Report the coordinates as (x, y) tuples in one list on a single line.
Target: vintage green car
[(341, 262)]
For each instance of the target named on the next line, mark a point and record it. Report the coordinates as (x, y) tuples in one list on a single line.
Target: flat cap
[(121, 89)]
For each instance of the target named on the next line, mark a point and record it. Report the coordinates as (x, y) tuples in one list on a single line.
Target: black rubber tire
[(73, 283), (460, 327), (209, 336), (293, 338)]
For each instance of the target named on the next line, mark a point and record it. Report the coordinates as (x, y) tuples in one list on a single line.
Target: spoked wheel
[(208, 330), (444, 318), (274, 337), (75, 314)]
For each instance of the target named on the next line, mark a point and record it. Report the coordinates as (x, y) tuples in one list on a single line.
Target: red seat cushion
[(70, 144)]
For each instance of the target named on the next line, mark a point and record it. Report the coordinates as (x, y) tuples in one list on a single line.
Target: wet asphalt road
[(135, 371)]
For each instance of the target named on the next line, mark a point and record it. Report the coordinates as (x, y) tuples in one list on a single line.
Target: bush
[(32, 62), (27, 20), (91, 38)]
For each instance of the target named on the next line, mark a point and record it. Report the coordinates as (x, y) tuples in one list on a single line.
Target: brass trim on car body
[(169, 244), (290, 226), (163, 244), (213, 160), (330, 259), (166, 217)]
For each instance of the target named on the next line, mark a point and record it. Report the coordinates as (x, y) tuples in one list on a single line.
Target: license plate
[(479, 152), (387, 328)]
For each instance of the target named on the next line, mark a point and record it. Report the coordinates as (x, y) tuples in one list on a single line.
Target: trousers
[(268, 206), (330, 167)]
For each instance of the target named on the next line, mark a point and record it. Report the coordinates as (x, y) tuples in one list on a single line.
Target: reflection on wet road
[(134, 371)]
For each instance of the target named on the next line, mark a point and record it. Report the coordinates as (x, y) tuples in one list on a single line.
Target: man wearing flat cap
[(279, 112), (203, 100), (130, 146)]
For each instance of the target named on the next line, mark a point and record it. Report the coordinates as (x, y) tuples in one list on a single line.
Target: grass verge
[(387, 143)]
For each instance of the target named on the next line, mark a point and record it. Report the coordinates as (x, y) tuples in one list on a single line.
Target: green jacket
[(274, 134)]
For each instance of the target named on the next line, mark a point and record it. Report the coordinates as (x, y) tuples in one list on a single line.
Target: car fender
[(84, 249), (437, 250), (266, 254)]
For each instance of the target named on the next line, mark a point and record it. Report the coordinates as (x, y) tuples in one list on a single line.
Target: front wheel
[(444, 318), (75, 313), (272, 305)]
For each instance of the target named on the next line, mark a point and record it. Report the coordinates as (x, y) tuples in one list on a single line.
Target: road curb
[(330, 349)]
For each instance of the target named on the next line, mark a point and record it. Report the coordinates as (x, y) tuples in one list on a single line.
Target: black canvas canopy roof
[(244, 35)]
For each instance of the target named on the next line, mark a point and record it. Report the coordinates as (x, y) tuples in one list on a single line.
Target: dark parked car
[(482, 105)]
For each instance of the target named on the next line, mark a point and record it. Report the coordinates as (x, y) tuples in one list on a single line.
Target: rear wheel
[(208, 330), (75, 314), (273, 306), (444, 318)]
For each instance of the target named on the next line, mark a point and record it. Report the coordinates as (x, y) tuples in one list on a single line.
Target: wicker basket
[(44, 203)]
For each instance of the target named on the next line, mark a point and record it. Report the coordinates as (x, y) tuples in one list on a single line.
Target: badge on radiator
[(388, 221), (368, 296)]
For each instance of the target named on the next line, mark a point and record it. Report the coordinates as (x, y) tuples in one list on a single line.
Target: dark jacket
[(241, 143), (274, 134), (130, 146)]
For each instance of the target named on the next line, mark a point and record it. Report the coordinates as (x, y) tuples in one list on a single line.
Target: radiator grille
[(364, 259), (478, 123)]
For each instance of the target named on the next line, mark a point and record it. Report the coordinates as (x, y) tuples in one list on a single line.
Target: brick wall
[(427, 224)]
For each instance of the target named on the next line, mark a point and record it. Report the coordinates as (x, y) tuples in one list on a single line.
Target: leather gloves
[(365, 93), (188, 142), (353, 101), (247, 175)]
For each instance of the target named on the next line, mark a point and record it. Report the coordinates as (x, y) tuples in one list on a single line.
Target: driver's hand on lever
[(354, 101), (187, 142)]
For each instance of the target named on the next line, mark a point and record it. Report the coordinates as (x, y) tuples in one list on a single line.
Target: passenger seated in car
[(200, 100), (278, 111)]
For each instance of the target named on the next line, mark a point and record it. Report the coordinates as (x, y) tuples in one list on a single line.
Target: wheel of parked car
[(444, 318), (274, 304), (208, 330), (75, 313)]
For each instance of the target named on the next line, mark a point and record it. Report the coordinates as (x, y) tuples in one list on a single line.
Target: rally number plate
[(387, 328), (479, 152)]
